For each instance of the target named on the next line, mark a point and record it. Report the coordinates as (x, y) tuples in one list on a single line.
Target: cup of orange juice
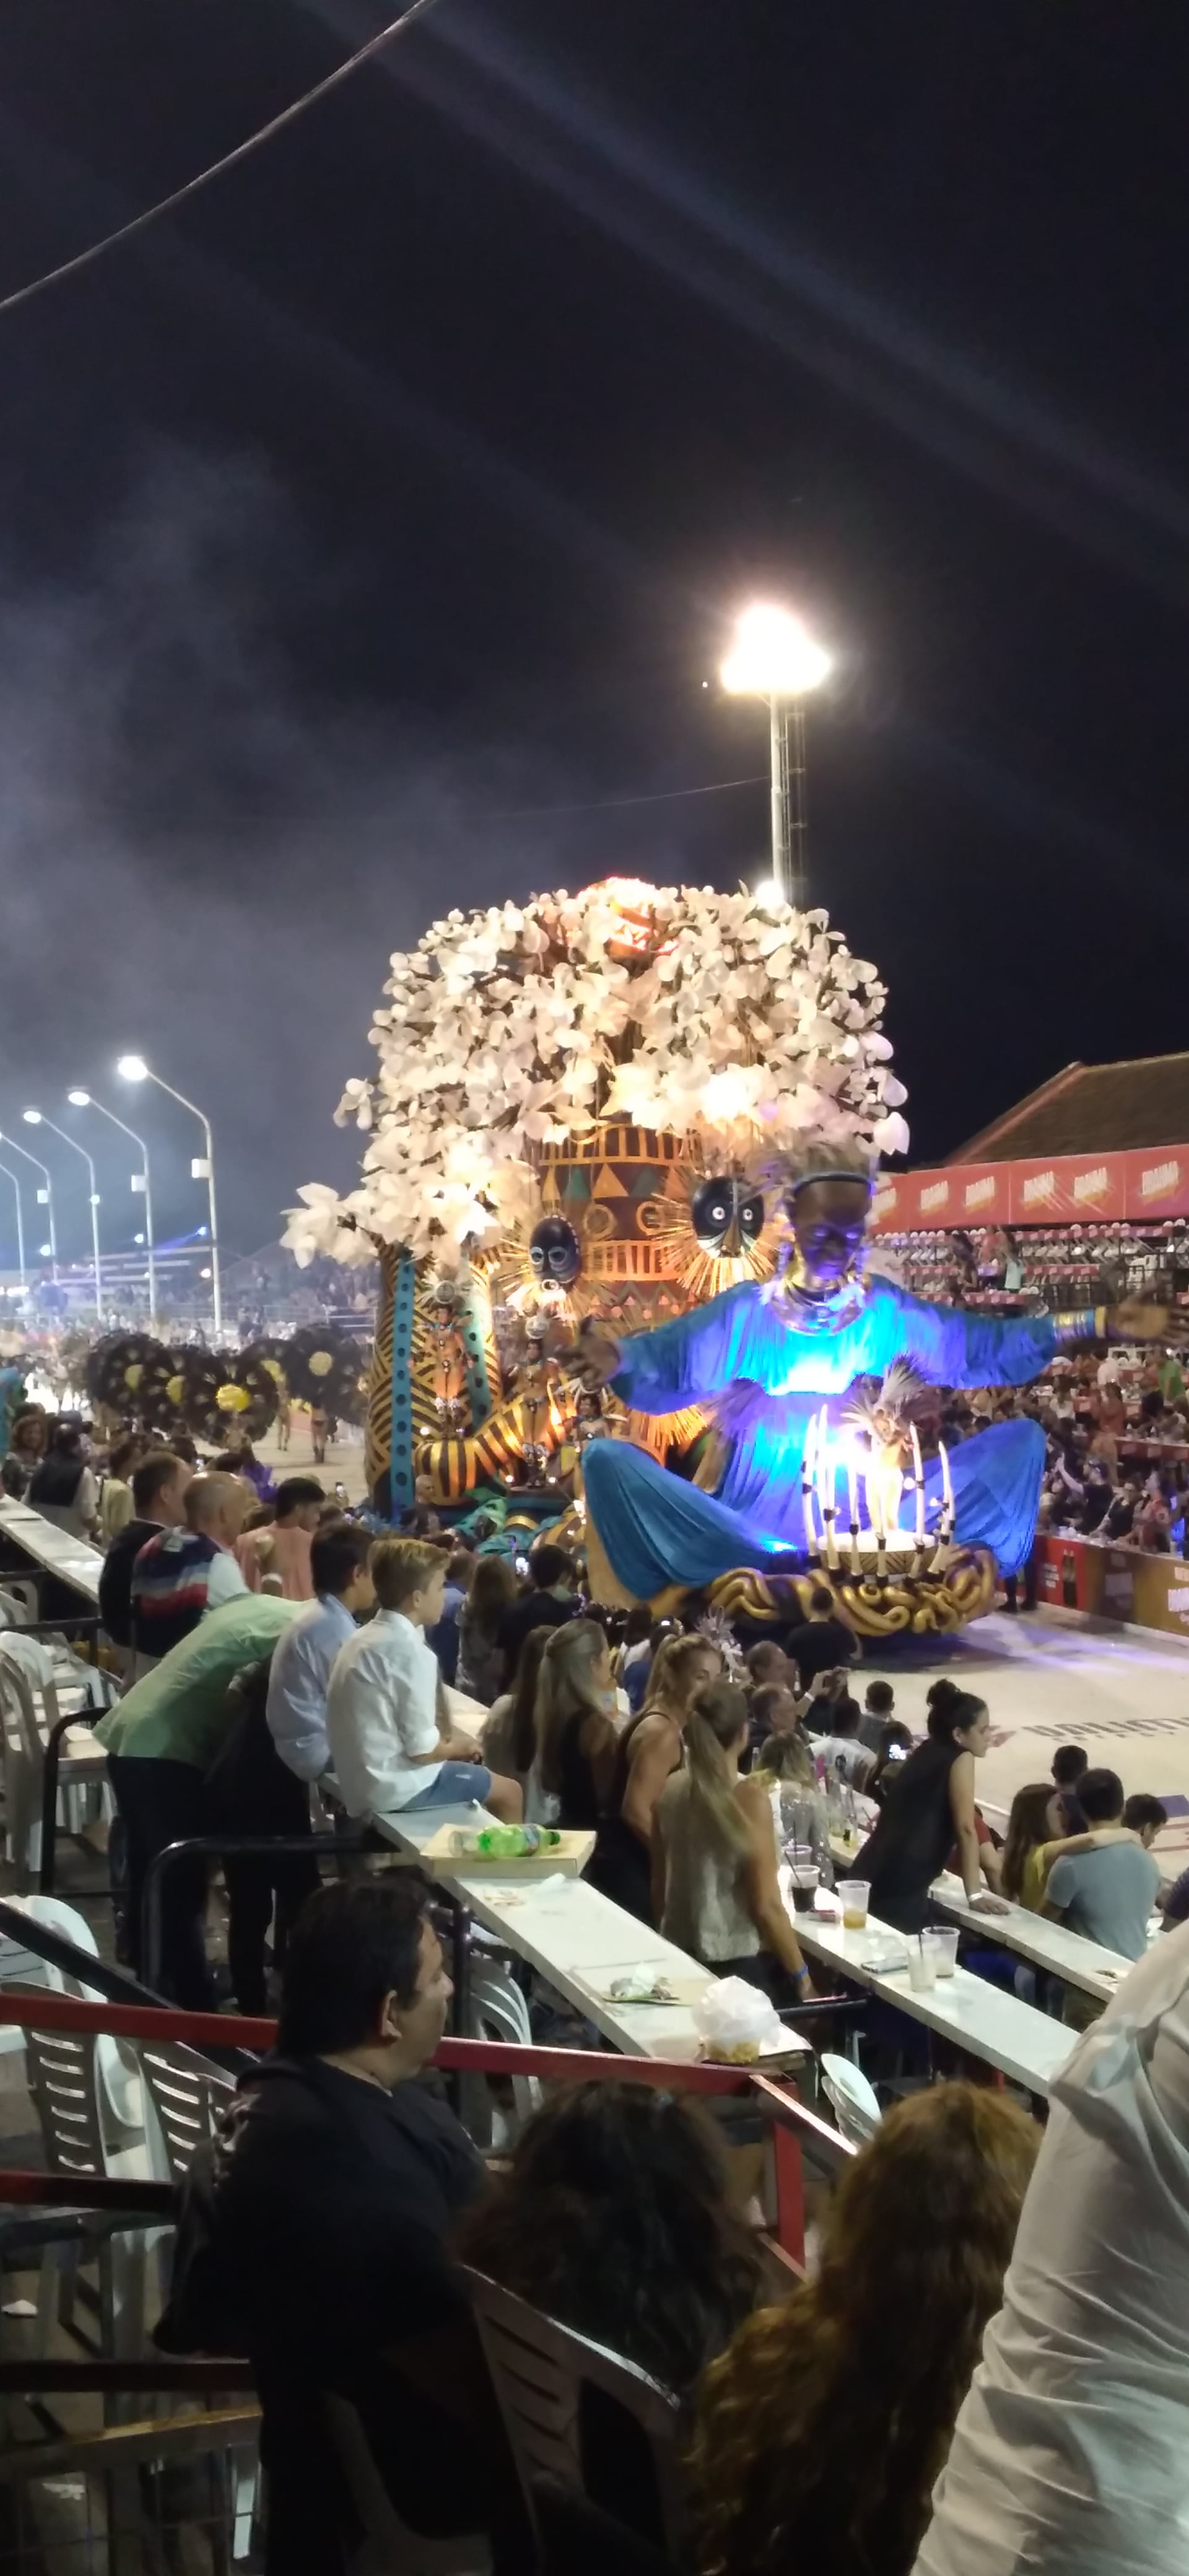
[(855, 1896)]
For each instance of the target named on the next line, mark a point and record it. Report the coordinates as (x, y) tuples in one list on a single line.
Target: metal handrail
[(225, 1847)]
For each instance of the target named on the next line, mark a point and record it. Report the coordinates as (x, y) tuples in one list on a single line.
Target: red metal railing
[(794, 2129)]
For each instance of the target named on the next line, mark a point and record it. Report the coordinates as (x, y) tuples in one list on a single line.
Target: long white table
[(576, 1939), (1023, 2044), (1064, 1954), (53, 1550)]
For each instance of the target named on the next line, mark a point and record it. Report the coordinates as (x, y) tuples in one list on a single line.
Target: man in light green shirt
[(161, 1740)]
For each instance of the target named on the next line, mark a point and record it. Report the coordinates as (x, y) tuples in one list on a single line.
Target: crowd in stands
[(846, 2420), (1117, 1448), (332, 2233)]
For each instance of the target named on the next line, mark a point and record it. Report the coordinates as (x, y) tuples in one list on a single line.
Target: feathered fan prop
[(129, 1373), (883, 1409), (328, 1369)]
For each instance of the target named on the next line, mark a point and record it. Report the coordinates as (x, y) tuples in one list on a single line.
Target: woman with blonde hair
[(715, 1887), (508, 1742), (650, 1749), (576, 1740), (822, 2430)]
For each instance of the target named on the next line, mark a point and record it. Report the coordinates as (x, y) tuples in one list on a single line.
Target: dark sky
[(406, 479)]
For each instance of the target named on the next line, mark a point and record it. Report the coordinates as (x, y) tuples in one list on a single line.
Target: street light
[(140, 1180), (132, 1068), (45, 1196), (35, 1118), (20, 1225), (775, 657)]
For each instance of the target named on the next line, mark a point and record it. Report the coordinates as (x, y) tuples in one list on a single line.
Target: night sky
[(408, 479)]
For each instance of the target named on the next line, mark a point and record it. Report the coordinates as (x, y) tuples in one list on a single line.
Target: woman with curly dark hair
[(823, 2429), (614, 2219)]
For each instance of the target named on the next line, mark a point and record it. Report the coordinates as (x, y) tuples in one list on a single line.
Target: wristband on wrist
[(1086, 1324)]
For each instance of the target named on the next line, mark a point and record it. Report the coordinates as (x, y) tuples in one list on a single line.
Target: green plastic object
[(516, 1842)]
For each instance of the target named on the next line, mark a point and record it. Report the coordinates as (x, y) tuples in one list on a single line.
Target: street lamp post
[(775, 657), (20, 1225), (87, 1100), (133, 1068), (36, 1118), (47, 1194)]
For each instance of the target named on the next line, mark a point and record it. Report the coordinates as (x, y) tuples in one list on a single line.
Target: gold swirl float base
[(915, 1605)]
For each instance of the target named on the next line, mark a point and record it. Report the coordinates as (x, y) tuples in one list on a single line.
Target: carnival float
[(587, 1116)]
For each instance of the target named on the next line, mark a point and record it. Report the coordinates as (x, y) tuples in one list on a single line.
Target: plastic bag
[(735, 2021)]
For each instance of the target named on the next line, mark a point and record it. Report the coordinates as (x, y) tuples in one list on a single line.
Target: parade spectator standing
[(63, 1488), (185, 1571), (280, 1550), (159, 1486), (1071, 2452), (161, 1740), (824, 1642), (303, 1660), (115, 1497)]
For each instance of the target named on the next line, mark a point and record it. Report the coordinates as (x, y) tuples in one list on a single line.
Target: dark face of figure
[(829, 1222), (726, 1216), (555, 1252)]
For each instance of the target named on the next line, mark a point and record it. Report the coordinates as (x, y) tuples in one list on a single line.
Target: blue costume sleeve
[(686, 1362), (952, 1348)]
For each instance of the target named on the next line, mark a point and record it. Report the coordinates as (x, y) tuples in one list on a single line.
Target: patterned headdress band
[(828, 1172)]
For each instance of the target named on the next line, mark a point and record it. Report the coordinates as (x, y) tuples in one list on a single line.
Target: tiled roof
[(1092, 1108)]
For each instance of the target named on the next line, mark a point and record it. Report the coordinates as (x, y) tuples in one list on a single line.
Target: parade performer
[(762, 1358)]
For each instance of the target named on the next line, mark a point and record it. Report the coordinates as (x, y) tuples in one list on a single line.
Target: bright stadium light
[(775, 657), (132, 1068), (79, 1099)]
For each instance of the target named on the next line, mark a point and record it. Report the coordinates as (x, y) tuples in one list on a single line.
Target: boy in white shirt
[(382, 1706)]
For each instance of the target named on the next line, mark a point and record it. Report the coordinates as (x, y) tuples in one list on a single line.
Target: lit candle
[(947, 1490), (919, 1478), (852, 1488), (828, 1490)]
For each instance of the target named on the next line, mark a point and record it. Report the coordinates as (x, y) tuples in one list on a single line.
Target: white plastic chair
[(855, 2101), (121, 2092), (186, 2100), (28, 1711), (18, 1602), (389, 2547), (539, 2369), (497, 2011)]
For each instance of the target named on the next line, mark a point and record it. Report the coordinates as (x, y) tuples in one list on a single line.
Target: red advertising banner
[(1055, 1189), (956, 1194), (1073, 1188), (1158, 1182)]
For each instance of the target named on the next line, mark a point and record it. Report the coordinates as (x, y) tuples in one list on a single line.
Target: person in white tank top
[(1071, 2452)]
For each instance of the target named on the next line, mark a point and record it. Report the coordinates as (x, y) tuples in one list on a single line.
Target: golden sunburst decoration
[(713, 1232)]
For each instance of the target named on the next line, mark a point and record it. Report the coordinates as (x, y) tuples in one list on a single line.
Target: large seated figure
[(765, 1356)]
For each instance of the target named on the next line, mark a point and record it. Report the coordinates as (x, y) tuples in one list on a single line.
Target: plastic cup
[(943, 1947), (855, 1894), (922, 1968), (803, 1878)]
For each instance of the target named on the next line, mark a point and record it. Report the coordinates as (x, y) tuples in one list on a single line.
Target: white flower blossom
[(511, 1029)]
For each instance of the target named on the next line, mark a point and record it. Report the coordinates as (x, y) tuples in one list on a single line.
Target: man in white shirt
[(387, 1749), (1071, 2451), (299, 1676)]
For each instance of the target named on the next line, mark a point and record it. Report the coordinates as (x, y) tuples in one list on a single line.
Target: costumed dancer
[(763, 1358)]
